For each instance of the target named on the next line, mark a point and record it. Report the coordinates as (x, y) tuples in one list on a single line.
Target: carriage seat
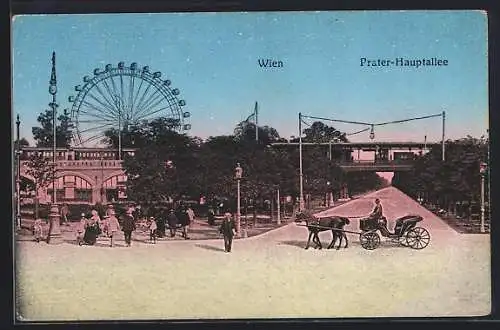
[(405, 222), (367, 224)]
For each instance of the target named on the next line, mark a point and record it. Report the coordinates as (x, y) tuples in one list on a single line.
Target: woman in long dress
[(92, 229)]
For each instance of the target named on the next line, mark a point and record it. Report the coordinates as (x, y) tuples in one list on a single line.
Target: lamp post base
[(18, 222), (54, 237)]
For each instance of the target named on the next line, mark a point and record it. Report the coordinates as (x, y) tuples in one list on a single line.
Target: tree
[(22, 143), (321, 133), (138, 134), (43, 135), (40, 169), (245, 133), (150, 177)]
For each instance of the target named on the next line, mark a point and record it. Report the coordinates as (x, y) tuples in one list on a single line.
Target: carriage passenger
[(371, 221), (377, 210)]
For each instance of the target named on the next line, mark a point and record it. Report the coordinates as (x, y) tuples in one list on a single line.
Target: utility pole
[(256, 122), (118, 105), (442, 139), (301, 201)]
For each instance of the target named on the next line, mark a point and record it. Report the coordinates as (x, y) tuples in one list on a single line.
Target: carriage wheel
[(369, 240), (418, 238)]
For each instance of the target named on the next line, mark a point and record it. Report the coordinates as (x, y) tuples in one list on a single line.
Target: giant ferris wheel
[(120, 97)]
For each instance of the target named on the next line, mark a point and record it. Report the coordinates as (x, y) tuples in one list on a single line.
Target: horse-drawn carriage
[(406, 233)]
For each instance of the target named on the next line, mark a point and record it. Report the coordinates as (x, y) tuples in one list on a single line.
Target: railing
[(377, 162), (85, 163)]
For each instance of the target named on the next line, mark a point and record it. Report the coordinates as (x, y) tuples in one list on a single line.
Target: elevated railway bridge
[(367, 157), (371, 156)]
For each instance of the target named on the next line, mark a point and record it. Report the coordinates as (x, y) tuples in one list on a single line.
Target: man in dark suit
[(172, 222), (128, 226), (227, 229)]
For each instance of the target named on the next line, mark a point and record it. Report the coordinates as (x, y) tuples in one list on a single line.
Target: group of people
[(90, 228)]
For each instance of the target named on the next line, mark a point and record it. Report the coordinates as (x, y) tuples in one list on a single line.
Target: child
[(80, 229), (37, 230), (152, 229)]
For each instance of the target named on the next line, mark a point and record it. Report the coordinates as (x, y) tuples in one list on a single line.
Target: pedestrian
[(110, 209), (64, 215), (95, 220), (227, 229), (191, 215), (80, 229), (92, 229), (38, 230), (184, 220), (128, 226), (172, 222), (113, 226), (152, 229), (211, 217)]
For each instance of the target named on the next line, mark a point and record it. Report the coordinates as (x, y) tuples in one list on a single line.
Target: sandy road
[(270, 275)]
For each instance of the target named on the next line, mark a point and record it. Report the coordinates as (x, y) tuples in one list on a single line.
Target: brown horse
[(316, 225)]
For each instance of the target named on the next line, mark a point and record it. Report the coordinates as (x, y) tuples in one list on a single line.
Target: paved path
[(269, 275)]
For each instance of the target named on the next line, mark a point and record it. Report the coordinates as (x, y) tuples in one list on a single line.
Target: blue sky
[(212, 59)]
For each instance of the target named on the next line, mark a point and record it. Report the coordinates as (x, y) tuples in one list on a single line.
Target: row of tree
[(168, 165), (458, 179), (206, 168)]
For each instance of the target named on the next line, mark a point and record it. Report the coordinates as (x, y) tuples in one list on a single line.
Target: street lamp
[(482, 171), (372, 133), (54, 236), (18, 177), (238, 173), (278, 221), (328, 200)]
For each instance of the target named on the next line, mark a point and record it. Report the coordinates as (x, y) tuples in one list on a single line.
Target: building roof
[(83, 149)]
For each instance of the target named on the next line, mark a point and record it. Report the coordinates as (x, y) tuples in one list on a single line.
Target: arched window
[(115, 181), (72, 188), (115, 187)]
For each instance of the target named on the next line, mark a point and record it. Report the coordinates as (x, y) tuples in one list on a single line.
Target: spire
[(53, 81), (53, 75)]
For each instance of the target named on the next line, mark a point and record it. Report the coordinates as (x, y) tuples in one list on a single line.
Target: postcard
[(251, 165)]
